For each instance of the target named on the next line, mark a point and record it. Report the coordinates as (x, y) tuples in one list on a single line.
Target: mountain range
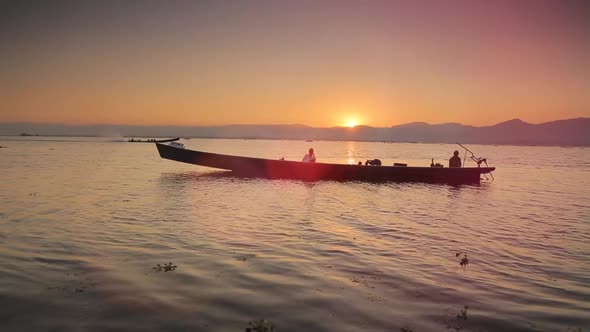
[(570, 132)]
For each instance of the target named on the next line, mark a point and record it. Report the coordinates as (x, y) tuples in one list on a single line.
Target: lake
[(102, 235)]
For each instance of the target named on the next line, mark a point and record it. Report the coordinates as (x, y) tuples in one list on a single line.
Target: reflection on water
[(88, 228), (178, 177), (351, 153)]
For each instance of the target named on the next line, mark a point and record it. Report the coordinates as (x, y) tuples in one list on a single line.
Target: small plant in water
[(463, 313), (464, 260), (260, 325), (165, 268)]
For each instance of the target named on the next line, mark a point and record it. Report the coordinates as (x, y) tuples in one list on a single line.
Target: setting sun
[(351, 123)]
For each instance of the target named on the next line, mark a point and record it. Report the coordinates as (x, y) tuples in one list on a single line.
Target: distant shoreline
[(123, 139), (569, 132)]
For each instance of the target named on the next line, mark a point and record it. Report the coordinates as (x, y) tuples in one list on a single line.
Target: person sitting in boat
[(374, 162), (309, 157), (455, 160)]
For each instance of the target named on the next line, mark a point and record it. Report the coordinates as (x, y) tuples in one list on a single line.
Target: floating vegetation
[(463, 313), (260, 325), (359, 281), (246, 257), (406, 329), (363, 281), (456, 322), (77, 282), (464, 260), (165, 268), (376, 298)]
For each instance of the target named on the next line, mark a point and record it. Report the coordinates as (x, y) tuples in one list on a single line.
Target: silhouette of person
[(455, 160), (309, 157)]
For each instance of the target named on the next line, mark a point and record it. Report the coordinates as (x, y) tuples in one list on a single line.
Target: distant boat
[(151, 140), (283, 169)]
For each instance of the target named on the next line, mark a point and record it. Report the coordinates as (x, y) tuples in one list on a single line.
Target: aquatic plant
[(260, 325), (245, 257), (456, 322), (165, 268), (463, 313), (464, 260)]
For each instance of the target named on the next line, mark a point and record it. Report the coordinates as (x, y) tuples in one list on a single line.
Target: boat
[(295, 170), (151, 140)]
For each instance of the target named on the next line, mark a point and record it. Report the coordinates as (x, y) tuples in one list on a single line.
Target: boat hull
[(283, 169)]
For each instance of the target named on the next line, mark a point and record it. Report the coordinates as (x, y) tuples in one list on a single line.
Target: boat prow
[(151, 140)]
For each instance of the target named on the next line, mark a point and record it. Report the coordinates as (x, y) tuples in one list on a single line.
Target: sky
[(318, 63)]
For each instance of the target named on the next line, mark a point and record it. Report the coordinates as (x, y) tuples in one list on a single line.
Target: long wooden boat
[(284, 169), (151, 140)]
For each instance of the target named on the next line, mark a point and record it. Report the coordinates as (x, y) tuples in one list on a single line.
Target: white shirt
[(309, 158)]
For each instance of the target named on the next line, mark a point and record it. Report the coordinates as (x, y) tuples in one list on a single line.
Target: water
[(83, 224)]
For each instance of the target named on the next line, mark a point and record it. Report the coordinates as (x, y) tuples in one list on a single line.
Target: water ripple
[(82, 228)]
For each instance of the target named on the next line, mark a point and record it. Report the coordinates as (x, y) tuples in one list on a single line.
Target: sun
[(351, 123)]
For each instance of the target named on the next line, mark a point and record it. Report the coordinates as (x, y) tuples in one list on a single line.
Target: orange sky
[(319, 64)]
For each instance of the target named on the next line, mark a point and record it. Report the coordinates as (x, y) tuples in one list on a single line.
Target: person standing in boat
[(455, 160), (309, 157)]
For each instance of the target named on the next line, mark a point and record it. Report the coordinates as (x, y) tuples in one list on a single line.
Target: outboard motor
[(477, 160)]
